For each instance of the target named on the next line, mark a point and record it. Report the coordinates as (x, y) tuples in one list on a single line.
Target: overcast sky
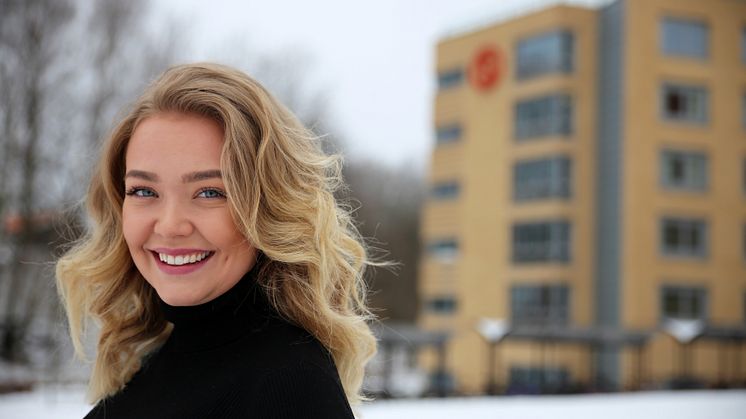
[(372, 59)]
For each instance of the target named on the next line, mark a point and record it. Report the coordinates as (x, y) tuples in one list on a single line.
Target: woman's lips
[(179, 262)]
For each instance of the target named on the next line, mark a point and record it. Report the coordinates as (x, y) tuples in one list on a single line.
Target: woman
[(226, 280)]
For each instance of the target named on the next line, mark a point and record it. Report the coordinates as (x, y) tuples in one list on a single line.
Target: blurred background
[(563, 183)]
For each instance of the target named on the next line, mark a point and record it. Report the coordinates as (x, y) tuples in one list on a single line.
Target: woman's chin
[(179, 298)]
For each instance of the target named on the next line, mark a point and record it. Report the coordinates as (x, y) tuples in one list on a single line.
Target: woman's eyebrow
[(141, 174), (203, 175), (187, 178)]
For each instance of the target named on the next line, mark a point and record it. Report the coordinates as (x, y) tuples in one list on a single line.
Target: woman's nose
[(173, 221)]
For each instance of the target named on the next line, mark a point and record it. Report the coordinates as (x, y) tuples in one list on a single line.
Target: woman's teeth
[(182, 259)]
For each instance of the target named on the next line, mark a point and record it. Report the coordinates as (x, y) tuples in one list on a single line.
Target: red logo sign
[(484, 72)]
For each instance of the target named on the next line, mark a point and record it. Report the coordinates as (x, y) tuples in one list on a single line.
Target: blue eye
[(140, 192), (211, 194)]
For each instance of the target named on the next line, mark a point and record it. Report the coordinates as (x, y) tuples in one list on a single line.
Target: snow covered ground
[(649, 405), (68, 404)]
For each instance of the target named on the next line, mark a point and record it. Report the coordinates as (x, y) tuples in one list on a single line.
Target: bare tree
[(65, 67), (389, 201), (30, 31), (119, 59)]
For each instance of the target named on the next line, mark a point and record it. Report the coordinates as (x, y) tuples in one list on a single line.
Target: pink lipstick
[(180, 261)]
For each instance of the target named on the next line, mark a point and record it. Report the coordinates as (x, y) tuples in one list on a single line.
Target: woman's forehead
[(176, 144)]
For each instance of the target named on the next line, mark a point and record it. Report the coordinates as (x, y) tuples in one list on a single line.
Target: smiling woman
[(226, 280)]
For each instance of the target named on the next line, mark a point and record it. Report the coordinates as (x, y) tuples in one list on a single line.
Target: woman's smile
[(180, 261)]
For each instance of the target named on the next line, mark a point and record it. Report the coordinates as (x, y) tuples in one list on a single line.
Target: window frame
[(694, 291), (675, 47), (681, 251), (563, 64), (690, 160), (554, 183), (532, 379), (446, 190), (448, 302), (550, 250), (450, 78), (558, 120), (686, 91), (556, 312), (445, 249), (448, 133)]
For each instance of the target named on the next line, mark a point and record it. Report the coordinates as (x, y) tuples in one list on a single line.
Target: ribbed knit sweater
[(232, 357)]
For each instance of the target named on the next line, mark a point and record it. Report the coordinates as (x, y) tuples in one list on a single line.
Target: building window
[(685, 103), (684, 170), (743, 45), (539, 179), (684, 237), (443, 249), (543, 116), (687, 303), (448, 134), (445, 190), (541, 242), (743, 176), (539, 305), (547, 53), (442, 305), (450, 78), (682, 37), (536, 380), (743, 111)]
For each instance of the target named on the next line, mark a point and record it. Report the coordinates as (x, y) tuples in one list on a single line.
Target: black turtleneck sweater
[(232, 357)]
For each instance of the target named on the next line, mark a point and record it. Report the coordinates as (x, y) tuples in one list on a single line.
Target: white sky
[(373, 60)]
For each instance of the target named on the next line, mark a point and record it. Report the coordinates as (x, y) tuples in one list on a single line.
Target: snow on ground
[(68, 404), (52, 403), (648, 405)]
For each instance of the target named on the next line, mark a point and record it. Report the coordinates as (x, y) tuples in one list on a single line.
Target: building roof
[(407, 334)]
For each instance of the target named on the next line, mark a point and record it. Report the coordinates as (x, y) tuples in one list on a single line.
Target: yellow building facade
[(588, 189)]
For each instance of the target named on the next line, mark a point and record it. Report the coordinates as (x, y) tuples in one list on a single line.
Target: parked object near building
[(394, 372), (589, 185)]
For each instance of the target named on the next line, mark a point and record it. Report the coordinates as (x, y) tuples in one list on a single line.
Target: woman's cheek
[(134, 226)]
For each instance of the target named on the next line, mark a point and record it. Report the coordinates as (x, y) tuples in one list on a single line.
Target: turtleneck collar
[(219, 321)]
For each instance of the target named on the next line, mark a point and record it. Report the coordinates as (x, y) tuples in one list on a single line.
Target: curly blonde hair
[(280, 187)]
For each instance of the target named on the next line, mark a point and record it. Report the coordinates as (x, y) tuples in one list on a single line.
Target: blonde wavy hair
[(280, 187)]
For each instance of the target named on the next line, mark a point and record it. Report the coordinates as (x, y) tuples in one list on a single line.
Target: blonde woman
[(225, 279)]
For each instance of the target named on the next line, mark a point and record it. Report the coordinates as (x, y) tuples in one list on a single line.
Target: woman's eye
[(210, 193), (141, 192)]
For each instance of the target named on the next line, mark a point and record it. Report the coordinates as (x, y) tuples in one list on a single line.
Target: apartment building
[(588, 190)]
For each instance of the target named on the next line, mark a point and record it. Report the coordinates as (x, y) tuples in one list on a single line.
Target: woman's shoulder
[(300, 391), (285, 345), (296, 378)]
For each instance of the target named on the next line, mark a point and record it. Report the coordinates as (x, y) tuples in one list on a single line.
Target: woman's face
[(176, 217)]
